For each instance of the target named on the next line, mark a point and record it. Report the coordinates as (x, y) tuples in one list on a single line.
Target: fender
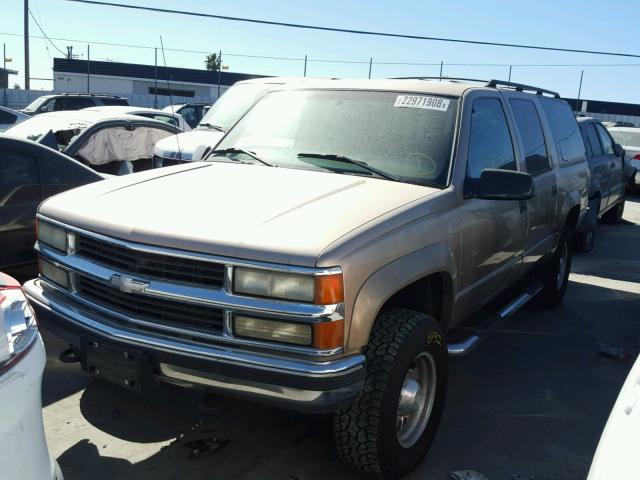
[(392, 278), (570, 200)]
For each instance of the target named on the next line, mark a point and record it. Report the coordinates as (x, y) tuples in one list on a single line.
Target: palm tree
[(212, 62)]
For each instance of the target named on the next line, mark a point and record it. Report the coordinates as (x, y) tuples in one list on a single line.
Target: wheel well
[(430, 295), (572, 218)]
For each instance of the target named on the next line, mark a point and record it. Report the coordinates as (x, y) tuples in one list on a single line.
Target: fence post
[(88, 69), (370, 65), (305, 65)]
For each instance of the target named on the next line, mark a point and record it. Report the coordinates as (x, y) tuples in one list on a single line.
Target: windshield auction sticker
[(420, 101)]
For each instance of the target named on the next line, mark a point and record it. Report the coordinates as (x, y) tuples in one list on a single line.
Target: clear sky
[(585, 24)]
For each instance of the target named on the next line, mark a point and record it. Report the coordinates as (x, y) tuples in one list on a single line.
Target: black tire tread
[(357, 446)]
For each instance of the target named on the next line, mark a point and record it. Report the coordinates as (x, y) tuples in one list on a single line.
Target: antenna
[(164, 61)]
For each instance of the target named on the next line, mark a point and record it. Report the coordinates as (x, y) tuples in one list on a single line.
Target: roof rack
[(521, 87), (85, 94), (455, 79)]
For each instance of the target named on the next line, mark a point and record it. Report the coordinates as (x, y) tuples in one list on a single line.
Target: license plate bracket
[(115, 364)]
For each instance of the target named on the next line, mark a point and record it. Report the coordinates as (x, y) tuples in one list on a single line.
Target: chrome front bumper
[(299, 384)]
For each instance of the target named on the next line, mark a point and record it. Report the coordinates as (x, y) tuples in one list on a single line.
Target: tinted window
[(564, 128), (114, 101), (48, 106), (607, 143), (74, 103), (190, 116), (530, 128), (592, 139), (6, 117), (19, 182), (490, 144), (59, 173)]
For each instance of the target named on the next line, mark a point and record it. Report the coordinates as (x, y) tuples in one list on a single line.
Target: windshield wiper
[(225, 151), (341, 158), (213, 127)]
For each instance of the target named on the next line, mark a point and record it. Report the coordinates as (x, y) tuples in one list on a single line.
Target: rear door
[(598, 163), (19, 199), (614, 165), (541, 209)]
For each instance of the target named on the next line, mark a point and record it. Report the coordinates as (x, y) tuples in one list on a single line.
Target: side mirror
[(619, 150), (495, 184)]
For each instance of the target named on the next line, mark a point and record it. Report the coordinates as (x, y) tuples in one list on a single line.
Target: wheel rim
[(562, 265), (417, 396)]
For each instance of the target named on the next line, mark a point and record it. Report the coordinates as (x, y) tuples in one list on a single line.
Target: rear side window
[(564, 128), (592, 139), (19, 180), (530, 128), (73, 103), (605, 138), (115, 101), (490, 144)]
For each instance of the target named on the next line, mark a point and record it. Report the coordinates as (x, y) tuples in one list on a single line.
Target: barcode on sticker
[(421, 101)]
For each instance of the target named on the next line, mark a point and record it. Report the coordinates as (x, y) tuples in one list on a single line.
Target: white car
[(24, 454), (629, 138), (190, 146), (617, 453), (174, 119), (9, 117)]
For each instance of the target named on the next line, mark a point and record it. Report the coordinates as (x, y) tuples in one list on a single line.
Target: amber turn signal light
[(329, 289), (328, 335)]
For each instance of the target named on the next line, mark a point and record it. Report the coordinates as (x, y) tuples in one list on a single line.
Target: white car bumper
[(24, 453)]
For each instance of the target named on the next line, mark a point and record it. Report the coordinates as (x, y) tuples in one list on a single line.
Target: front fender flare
[(393, 277)]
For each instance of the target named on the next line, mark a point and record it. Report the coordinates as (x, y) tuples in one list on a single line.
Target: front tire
[(388, 428)]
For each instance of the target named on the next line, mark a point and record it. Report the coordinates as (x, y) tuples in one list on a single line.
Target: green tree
[(212, 62)]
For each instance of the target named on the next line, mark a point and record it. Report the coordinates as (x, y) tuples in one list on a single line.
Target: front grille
[(153, 265), (161, 312)]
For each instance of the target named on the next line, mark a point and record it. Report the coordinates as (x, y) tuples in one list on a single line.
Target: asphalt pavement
[(528, 403)]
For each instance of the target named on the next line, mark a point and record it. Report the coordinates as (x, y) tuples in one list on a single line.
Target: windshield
[(36, 104), (233, 104), (406, 136)]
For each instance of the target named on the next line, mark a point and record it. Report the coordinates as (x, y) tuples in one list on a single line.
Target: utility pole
[(88, 69), (580, 86), (219, 72), (27, 84), (510, 72), (155, 81), (305, 65), (4, 66), (370, 66), (441, 65)]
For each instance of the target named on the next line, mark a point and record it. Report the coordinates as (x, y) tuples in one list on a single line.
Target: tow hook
[(70, 355)]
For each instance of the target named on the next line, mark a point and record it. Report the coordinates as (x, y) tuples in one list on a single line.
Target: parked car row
[(399, 209)]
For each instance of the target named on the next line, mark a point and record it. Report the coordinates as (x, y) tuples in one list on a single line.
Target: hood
[(237, 210), (184, 145)]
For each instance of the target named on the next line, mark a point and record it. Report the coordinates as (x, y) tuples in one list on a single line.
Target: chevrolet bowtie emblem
[(128, 284)]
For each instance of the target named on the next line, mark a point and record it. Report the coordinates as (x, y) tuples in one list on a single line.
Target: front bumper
[(316, 386)]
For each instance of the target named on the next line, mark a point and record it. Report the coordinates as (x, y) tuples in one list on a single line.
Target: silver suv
[(320, 256)]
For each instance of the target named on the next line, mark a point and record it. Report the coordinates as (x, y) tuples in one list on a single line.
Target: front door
[(492, 230), (613, 164)]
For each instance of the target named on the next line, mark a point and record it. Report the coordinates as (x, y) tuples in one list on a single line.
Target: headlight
[(273, 330), (319, 289), (52, 235), (54, 273), (18, 327)]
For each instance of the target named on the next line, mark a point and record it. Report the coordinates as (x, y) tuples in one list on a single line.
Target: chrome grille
[(162, 312), (165, 267)]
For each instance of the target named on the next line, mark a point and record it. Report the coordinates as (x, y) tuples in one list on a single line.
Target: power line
[(45, 35), (352, 31), (324, 60)]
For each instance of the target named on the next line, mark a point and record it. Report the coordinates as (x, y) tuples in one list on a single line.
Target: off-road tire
[(365, 429), (614, 216), (552, 292)]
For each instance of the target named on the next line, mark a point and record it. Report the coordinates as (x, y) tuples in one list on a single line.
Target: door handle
[(554, 190)]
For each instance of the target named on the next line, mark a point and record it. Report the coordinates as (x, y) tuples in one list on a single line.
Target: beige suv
[(320, 256)]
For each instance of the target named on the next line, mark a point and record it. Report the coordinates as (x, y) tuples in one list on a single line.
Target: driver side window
[(490, 143)]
